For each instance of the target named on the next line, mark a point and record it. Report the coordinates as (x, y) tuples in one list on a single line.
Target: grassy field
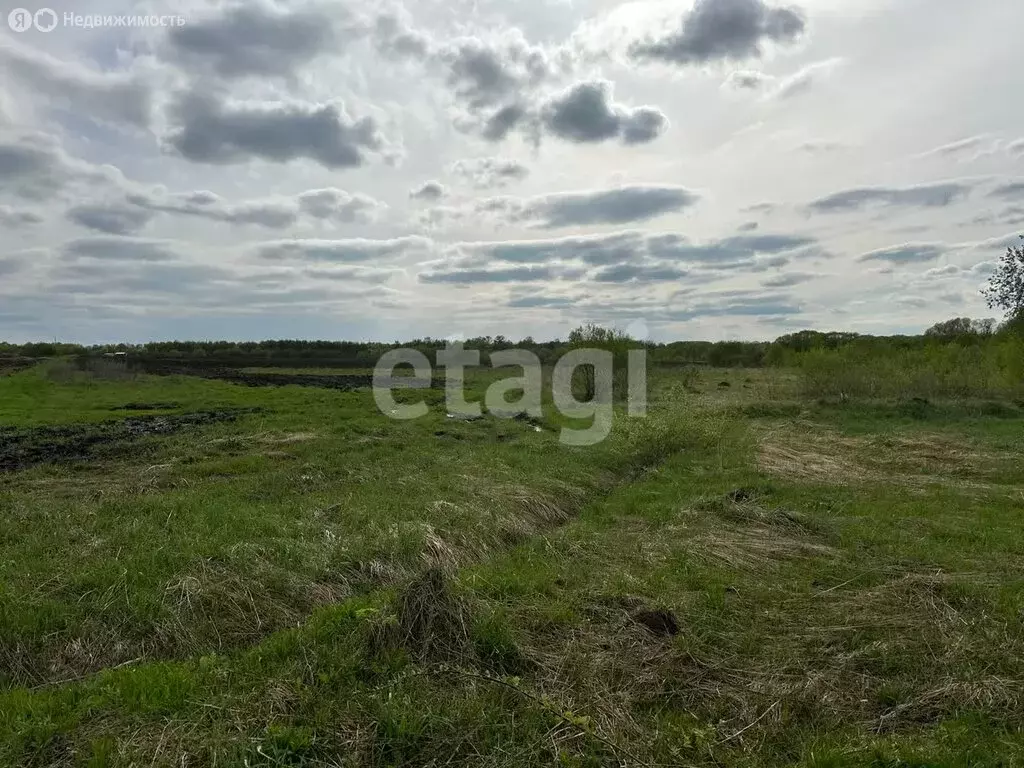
[(749, 576)]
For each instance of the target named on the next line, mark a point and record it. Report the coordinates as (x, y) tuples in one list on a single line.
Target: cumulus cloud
[(741, 304), (585, 113), (11, 264), (109, 96), (273, 213), (14, 218), (500, 124), (113, 218), (610, 206), (255, 40), (923, 196), (346, 251), (820, 146), (789, 279), (907, 253), (393, 37), (782, 88), (747, 80), (489, 172), (488, 73), (502, 275), (498, 83), (969, 145), (352, 274), (119, 249), (35, 167), (740, 248), (613, 206), (534, 301), (621, 257), (207, 130), (594, 250), (723, 30), (617, 205), (804, 79), (1013, 190), (431, 192), (1016, 147), (332, 204), (646, 273)]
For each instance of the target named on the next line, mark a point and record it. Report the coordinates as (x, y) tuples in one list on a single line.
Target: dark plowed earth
[(22, 447), (9, 365), (346, 383)]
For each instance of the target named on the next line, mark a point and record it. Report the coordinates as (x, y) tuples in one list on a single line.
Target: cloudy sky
[(353, 169)]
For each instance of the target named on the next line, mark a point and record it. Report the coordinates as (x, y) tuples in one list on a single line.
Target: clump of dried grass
[(431, 622)]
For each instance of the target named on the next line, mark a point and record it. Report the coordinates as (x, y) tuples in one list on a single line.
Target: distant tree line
[(285, 353), (1005, 291)]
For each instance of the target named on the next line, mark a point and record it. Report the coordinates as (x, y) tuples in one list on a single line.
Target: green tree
[(617, 342), (960, 327), (1005, 288)]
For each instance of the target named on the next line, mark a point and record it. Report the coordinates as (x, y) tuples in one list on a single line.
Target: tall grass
[(988, 368)]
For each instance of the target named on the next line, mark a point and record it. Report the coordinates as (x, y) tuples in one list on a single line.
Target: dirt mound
[(22, 447)]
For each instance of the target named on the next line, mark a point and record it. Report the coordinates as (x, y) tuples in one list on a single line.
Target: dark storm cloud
[(923, 196), (208, 131), (724, 30)]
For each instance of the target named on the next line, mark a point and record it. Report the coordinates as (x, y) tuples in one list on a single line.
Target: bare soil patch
[(22, 447)]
